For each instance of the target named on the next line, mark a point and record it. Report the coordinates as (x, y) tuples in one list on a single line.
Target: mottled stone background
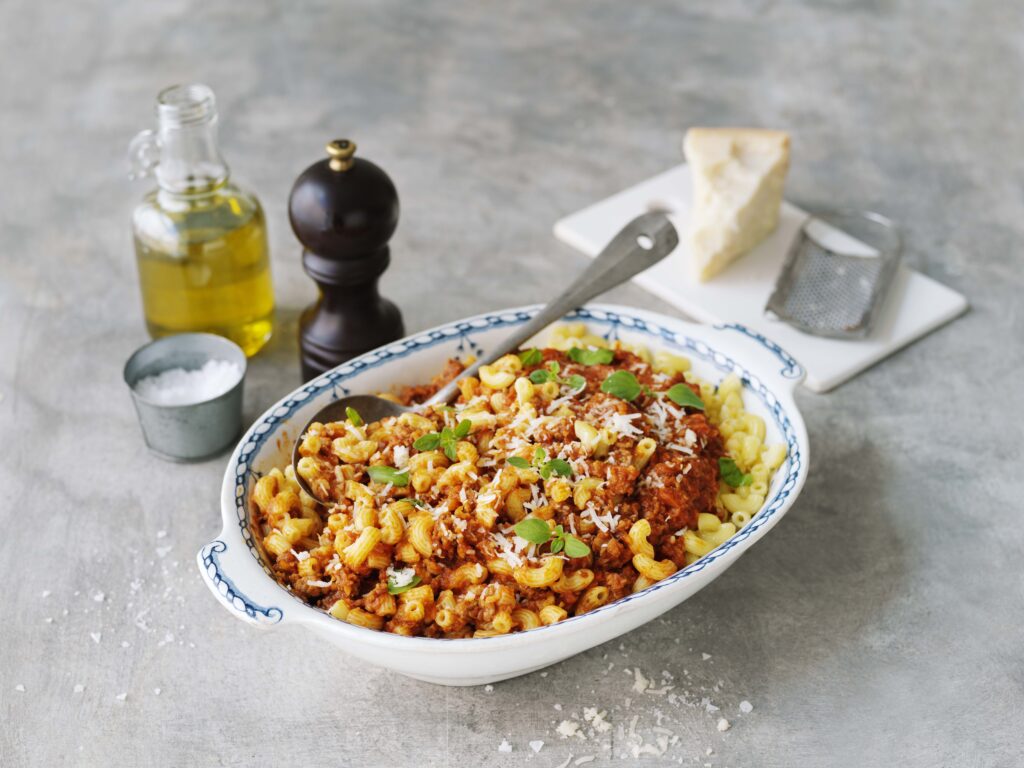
[(879, 624)]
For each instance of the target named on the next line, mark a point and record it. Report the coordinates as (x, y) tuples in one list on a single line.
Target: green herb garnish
[(384, 475), (575, 382), (530, 357), (681, 394), (557, 467), (428, 442), (591, 356), (545, 467), (731, 473), (622, 384), (393, 589), (536, 531), (417, 502), (353, 416), (447, 439)]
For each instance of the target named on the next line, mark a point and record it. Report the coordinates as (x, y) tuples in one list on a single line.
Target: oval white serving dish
[(233, 568)]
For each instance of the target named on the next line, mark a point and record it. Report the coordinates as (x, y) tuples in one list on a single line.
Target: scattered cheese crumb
[(19, 688), (746, 707), (709, 751), (558, 707), (125, 644), (585, 759), (46, 593), (121, 696), (723, 724), (96, 636), (596, 719), (99, 597), (79, 688), (504, 746), (568, 728), (161, 534), (536, 746), (156, 691), (488, 688)]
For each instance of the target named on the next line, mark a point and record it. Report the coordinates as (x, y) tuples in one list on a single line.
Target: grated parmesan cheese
[(568, 728), (400, 578)]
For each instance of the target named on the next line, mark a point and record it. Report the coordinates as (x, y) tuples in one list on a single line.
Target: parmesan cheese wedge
[(738, 177)]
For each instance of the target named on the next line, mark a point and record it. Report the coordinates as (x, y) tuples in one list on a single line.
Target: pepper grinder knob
[(344, 209), (341, 152)]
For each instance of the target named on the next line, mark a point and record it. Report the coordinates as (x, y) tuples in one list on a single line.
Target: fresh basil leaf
[(556, 545), (534, 530), (428, 442), (574, 547), (575, 382), (559, 467), (539, 454), (354, 417), (732, 474), (450, 451), (541, 376), (591, 356), (463, 428), (554, 367), (545, 471), (384, 475), (518, 462), (622, 384), (394, 590), (681, 394), (530, 357)]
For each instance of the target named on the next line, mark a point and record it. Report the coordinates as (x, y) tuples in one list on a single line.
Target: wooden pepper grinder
[(343, 210)]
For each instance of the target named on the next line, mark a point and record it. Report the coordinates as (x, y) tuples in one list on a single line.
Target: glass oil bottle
[(200, 241)]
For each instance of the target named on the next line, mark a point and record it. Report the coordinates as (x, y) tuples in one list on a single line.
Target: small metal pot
[(195, 431)]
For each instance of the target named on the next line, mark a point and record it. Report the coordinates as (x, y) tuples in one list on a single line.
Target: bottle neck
[(190, 159)]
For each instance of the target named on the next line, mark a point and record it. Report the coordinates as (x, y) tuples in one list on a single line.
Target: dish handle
[(790, 372), (238, 582)]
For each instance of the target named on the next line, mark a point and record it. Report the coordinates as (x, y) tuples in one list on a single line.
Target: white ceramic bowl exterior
[(234, 570)]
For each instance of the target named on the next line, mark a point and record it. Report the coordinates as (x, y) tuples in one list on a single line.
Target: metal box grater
[(837, 274)]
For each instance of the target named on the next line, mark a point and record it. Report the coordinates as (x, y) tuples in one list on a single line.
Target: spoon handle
[(643, 242)]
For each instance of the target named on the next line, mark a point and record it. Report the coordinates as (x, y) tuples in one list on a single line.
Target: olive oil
[(204, 266), (200, 241)]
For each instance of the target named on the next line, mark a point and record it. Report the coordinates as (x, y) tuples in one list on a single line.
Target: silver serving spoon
[(643, 242)]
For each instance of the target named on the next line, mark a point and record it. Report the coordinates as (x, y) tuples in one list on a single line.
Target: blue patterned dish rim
[(616, 318)]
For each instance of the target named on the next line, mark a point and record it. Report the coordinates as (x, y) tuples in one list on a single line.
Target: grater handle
[(789, 371)]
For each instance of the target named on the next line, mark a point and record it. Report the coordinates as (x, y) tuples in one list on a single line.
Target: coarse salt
[(178, 386)]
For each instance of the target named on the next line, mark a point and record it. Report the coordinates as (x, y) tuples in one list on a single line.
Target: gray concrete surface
[(880, 624)]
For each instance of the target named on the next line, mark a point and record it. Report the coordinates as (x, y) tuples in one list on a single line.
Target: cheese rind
[(738, 179)]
